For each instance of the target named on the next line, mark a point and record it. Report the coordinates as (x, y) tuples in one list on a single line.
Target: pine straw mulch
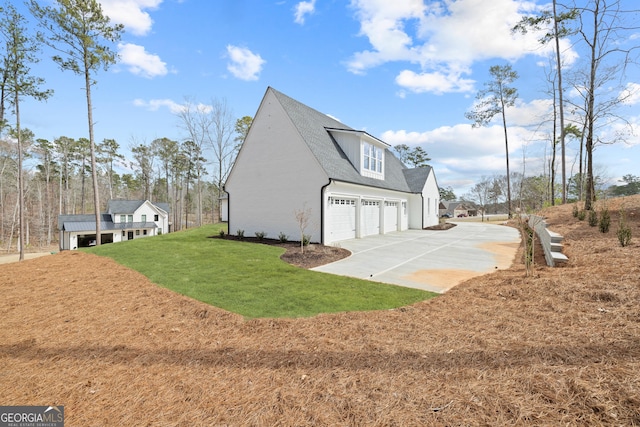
[(561, 347), (312, 255)]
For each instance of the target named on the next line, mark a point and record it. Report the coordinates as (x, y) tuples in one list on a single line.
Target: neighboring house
[(124, 220), (296, 159), (455, 209)]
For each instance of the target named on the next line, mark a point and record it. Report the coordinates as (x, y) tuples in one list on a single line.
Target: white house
[(295, 159), (124, 220)]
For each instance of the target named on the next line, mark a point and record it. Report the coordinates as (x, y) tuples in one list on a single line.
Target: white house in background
[(296, 158), (124, 220)]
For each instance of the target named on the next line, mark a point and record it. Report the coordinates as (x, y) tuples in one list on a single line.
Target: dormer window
[(372, 158)]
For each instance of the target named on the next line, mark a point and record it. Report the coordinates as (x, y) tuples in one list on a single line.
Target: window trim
[(372, 158)]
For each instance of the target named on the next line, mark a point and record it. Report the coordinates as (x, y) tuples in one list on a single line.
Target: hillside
[(559, 347)]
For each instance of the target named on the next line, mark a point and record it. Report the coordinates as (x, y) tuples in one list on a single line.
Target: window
[(144, 218), (137, 232), (129, 218), (155, 217), (123, 218), (144, 232), (372, 158)]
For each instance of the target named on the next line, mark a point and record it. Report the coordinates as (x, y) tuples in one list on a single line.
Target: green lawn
[(248, 278)]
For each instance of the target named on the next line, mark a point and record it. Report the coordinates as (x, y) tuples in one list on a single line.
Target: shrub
[(582, 215), (306, 239), (593, 218), (283, 238), (240, 234), (575, 210), (624, 235), (624, 232), (605, 220), (221, 233), (261, 235)]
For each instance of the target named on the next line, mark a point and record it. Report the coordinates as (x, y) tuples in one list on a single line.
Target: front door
[(130, 235)]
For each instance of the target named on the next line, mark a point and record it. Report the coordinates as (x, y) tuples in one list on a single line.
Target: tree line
[(40, 179), (602, 31)]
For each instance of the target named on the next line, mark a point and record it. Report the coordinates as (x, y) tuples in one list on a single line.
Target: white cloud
[(140, 62), (131, 13), (435, 82), (302, 9), (172, 106), (443, 39), (244, 64), (156, 104), (631, 94)]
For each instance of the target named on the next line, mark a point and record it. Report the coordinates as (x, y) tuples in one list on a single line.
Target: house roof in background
[(117, 206), (87, 223), (314, 127)]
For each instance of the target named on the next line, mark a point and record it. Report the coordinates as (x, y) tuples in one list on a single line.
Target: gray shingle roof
[(312, 126), (130, 206), (417, 177)]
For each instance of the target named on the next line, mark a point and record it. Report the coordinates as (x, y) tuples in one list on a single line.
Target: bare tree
[(303, 219), (494, 99), (480, 194), (604, 31), (224, 146)]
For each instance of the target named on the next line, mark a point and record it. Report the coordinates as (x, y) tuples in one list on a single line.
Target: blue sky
[(405, 71)]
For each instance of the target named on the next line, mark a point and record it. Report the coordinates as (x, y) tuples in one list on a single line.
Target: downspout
[(322, 212), (422, 209), (228, 209)]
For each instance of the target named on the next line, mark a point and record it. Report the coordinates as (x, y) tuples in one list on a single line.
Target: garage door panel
[(342, 219), (370, 217), (390, 216)]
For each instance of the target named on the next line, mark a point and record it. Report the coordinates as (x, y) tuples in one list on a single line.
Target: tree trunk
[(590, 193), (506, 144), (92, 148), (560, 107), (21, 233)]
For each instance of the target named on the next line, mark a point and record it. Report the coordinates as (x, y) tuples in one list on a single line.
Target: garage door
[(390, 216), (370, 217), (342, 219)]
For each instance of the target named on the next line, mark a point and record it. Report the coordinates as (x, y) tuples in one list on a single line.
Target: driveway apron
[(432, 260)]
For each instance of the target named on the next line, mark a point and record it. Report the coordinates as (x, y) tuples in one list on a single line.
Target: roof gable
[(314, 128)]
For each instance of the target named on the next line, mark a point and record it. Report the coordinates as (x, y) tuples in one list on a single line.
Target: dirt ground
[(559, 347)]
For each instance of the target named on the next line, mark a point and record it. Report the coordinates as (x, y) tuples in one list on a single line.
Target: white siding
[(274, 175), (431, 197)]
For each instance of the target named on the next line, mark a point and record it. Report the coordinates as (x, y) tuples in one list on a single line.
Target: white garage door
[(390, 216), (342, 219), (370, 217)]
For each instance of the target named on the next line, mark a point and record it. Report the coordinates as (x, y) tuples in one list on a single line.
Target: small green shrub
[(605, 221), (593, 218), (624, 235), (624, 232), (575, 210), (261, 235), (283, 238), (221, 233), (582, 215), (240, 234), (306, 239)]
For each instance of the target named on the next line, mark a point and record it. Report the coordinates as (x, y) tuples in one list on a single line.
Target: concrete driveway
[(432, 260)]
